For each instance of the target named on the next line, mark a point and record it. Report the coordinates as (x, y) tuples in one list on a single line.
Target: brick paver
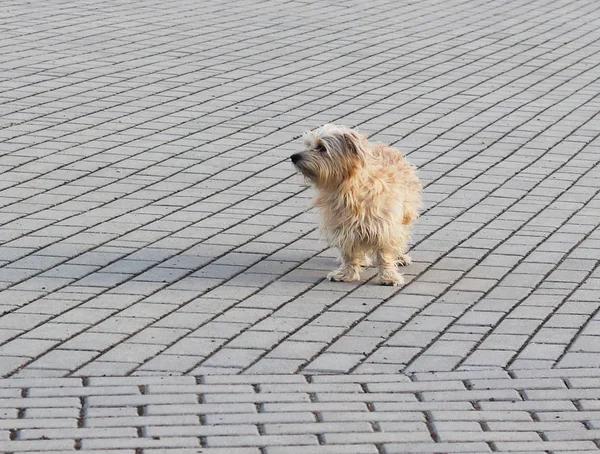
[(440, 412), (153, 230)]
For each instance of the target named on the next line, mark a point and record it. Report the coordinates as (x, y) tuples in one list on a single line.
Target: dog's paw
[(394, 279), (404, 260), (343, 276)]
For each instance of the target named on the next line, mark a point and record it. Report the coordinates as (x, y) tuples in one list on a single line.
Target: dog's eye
[(321, 148)]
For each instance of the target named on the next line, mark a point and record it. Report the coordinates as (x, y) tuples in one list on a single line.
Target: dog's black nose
[(295, 158)]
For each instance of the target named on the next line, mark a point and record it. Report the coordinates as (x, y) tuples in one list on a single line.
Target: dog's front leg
[(349, 270), (386, 264)]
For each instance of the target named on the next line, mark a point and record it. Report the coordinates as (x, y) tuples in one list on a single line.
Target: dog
[(368, 196)]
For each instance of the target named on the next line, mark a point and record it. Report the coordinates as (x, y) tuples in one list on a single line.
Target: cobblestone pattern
[(537, 411), (150, 222)]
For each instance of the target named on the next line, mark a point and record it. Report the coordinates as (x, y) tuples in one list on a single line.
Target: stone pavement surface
[(469, 411), (162, 280)]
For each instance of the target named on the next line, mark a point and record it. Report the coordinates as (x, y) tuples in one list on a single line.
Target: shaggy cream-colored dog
[(368, 196)]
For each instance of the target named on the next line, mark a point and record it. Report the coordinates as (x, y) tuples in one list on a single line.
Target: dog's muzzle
[(295, 158)]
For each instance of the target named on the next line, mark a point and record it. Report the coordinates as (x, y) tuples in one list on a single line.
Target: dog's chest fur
[(362, 212)]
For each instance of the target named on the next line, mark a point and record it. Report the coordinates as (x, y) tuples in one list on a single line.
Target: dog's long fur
[(368, 196)]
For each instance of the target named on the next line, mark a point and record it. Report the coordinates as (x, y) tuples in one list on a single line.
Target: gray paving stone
[(317, 428), (432, 363), (80, 432), (199, 431), (378, 437), (570, 426), (324, 449), (231, 357), (264, 440), (578, 359), (119, 443), (577, 446), (437, 447), (31, 445), (487, 436), (333, 363), (489, 358)]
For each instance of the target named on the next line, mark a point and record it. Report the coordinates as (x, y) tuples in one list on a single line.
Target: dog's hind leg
[(366, 261), (403, 260), (386, 264)]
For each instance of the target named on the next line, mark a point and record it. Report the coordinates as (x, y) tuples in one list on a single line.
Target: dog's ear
[(320, 146), (353, 142)]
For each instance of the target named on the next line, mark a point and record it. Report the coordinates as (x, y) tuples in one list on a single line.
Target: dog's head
[(332, 154)]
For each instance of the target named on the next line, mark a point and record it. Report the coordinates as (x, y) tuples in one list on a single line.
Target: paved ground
[(152, 230)]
